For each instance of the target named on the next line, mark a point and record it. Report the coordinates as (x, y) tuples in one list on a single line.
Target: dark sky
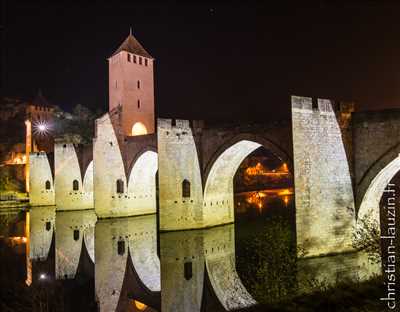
[(212, 60)]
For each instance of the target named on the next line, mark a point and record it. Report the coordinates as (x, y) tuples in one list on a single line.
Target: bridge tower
[(131, 87)]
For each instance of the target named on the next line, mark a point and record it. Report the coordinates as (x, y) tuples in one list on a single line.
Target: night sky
[(220, 61)]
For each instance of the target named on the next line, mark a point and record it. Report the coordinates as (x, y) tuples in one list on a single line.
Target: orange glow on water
[(139, 305)]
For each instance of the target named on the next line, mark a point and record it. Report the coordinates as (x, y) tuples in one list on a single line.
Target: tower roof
[(133, 46), (40, 100)]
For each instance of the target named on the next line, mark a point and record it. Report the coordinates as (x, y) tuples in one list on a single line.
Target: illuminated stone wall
[(139, 238), (178, 161), (323, 186), (376, 148), (124, 91), (42, 223), (68, 245), (139, 195), (67, 169), (40, 172), (207, 157)]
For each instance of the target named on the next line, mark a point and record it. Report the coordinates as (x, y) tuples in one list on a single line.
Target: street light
[(41, 127)]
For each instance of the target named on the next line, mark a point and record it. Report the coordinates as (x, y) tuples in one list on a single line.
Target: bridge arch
[(142, 182), (218, 203), (369, 205)]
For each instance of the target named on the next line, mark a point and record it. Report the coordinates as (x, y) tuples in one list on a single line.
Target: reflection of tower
[(131, 87)]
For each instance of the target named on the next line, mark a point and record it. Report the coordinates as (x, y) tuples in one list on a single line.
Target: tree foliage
[(367, 237), (269, 268)]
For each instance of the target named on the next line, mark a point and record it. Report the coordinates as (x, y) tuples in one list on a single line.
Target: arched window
[(120, 186), (76, 235), (138, 103), (75, 185), (138, 84), (121, 247), (139, 129), (185, 188), (129, 57), (47, 185)]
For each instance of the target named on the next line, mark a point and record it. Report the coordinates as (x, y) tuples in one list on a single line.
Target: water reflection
[(197, 266), (196, 270), (127, 264), (42, 222), (259, 201), (74, 237)]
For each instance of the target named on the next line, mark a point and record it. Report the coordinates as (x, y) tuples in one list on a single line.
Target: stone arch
[(369, 206), (88, 178), (218, 191), (142, 181), (269, 144), (373, 171)]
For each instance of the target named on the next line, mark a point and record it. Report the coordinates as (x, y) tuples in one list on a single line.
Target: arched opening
[(142, 182), (47, 185), (249, 167), (139, 129), (376, 217), (251, 183), (75, 185), (120, 186), (185, 188)]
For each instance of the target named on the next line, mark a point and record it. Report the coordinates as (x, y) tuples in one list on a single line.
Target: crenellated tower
[(131, 87)]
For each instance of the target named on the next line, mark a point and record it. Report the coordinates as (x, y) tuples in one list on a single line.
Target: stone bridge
[(341, 162)]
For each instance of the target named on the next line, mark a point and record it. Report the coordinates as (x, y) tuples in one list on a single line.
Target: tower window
[(121, 247), (134, 59), (138, 84), (48, 226), (185, 188), (145, 62), (138, 103), (129, 57), (76, 235), (75, 185), (188, 271), (47, 185), (120, 186), (140, 60), (116, 85)]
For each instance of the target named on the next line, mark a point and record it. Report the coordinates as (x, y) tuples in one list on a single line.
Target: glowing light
[(42, 276), (286, 200), (139, 129), (285, 192), (40, 127), (260, 170), (139, 305)]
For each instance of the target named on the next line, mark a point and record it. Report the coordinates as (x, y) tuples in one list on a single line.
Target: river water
[(123, 263)]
